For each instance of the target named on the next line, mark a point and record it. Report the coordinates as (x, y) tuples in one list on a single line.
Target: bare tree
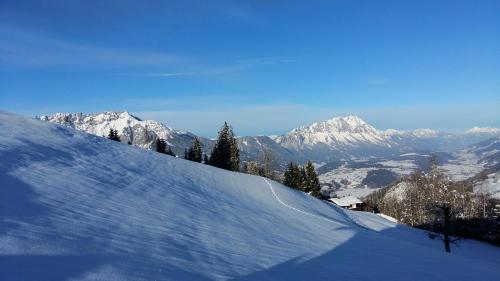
[(252, 168), (268, 161)]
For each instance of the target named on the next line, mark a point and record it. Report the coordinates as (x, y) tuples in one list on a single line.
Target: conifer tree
[(161, 146), (194, 152), (292, 176), (225, 153), (287, 176), (302, 179), (205, 158), (113, 135), (312, 181), (235, 152)]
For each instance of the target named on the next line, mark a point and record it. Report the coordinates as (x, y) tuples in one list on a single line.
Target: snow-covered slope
[(488, 152), (131, 129), (74, 206), (487, 155)]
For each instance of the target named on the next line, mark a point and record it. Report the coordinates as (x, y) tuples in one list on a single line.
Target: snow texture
[(75, 206)]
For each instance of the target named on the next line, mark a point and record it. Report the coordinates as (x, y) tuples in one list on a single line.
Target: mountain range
[(337, 138), (348, 152)]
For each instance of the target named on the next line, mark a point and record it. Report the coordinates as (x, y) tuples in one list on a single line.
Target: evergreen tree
[(292, 176), (287, 176), (312, 181), (194, 152), (205, 158), (235, 152), (161, 146), (302, 179), (225, 153), (113, 135)]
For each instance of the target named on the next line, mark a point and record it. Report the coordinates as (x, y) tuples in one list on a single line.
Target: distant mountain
[(252, 149), (339, 138), (352, 156), (347, 137), (432, 140), (336, 137), (488, 152), (422, 139), (483, 130), (142, 133)]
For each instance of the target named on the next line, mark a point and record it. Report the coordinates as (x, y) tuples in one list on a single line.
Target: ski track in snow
[(342, 212), (298, 210)]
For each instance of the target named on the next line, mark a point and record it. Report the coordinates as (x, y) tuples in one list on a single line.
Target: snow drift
[(74, 206)]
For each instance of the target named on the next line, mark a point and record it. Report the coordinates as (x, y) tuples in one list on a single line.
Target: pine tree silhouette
[(312, 181), (292, 177), (161, 146), (225, 153), (194, 152), (113, 135)]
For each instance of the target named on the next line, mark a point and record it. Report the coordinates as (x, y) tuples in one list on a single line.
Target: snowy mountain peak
[(75, 119), (393, 132), (348, 124), (418, 133), (425, 133), (131, 129), (349, 131), (483, 130)]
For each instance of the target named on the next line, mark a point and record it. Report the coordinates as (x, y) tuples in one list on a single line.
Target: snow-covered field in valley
[(74, 206), (464, 166)]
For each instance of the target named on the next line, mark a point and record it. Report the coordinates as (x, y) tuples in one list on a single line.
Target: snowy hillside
[(75, 206), (131, 129), (487, 155)]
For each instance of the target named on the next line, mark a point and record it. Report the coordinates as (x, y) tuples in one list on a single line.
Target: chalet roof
[(346, 201)]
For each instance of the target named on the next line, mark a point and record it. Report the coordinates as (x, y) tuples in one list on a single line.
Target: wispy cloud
[(28, 49), (24, 48), (238, 66)]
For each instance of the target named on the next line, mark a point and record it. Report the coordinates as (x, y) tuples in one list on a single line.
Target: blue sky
[(264, 66)]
